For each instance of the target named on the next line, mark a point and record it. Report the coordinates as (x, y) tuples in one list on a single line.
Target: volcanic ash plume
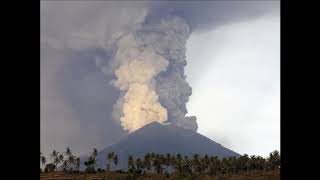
[(149, 68), (135, 76)]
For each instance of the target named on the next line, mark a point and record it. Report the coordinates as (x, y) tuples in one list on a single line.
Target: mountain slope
[(162, 139)]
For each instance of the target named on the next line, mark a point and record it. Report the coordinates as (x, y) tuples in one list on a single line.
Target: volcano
[(162, 139)]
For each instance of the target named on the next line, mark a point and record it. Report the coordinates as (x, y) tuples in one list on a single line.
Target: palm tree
[(261, 163), (50, 167), (130, 163), (69, 158), (108, 167), (167, 160), (274, 159), (77, 163), (94, 152), (68, 152), (174, 162), (254, 162), (147, 161), (65, 165), (110, 158), (195, 163), (152, 155), (225, 165), (179, 157), (93, 159), (55, 157), (56, 161), (139, 165), (61, 157), (232, 164), (54, 154), (43, 161), (71, 162), (204, 163), (115, 160), (157, 164), (243, 163), (152, 159), (178, 163), (214, 165), (187, 166), (91, 162)]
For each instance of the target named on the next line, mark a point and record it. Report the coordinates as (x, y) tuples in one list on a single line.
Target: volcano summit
[(162, 139)]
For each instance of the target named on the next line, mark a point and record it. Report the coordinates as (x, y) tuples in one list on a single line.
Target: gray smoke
[(164, 32), (149, 58), (79, 43), (166, 39)]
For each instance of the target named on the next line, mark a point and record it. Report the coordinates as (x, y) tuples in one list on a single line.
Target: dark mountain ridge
[(162, 139)]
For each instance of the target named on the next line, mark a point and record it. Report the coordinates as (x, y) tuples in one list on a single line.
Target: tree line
[(167, 164)]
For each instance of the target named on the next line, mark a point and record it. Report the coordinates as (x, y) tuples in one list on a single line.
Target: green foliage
[(112, 158), (274, 160), (90, 170), (168, 165), (131, 165), (50, 167), (91, 162)]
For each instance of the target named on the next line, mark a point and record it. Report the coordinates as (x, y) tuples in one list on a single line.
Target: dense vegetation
[(166, 165)]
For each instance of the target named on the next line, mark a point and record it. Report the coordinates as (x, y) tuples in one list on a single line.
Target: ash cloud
[(165, 31), (207, 15), (150, 63)]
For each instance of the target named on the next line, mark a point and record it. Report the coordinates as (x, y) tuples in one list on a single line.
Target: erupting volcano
[(162, 139)]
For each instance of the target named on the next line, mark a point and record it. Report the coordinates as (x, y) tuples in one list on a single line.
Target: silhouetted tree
[(178, 163), (214, 165), (110, 157), (184, 168), (196, 164), (243, 163), (139, 165), (56, 158), (131, 166), (43, 161), (50, 167), (274, 160), (157, 164), (77, 163), (115, 160), (167, 161), (65, 165), (204, 163), (147, 162), (91, 162), (61, 158), (70, 160)]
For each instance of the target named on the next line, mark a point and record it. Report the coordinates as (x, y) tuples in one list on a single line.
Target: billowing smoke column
[(139, 65), (149, 68)]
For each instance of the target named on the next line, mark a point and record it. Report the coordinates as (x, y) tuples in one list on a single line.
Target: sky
[(233, 67), (236, 88)]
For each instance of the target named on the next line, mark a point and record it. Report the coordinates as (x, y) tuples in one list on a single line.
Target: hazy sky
[(233, 57), (236, 87)]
